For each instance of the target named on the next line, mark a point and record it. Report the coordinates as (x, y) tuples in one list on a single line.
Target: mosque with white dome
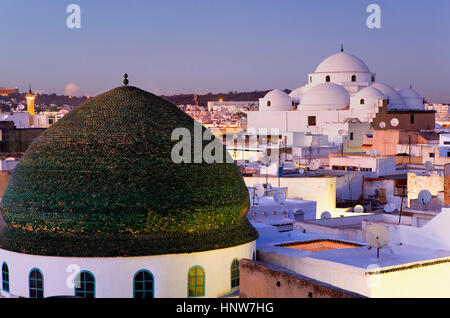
[(342, 87)]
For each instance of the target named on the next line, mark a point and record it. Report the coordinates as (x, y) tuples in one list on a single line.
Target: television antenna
[(424, 197), (279, 196), (389, 208), (377, 236), (358, 209), (4, 117)]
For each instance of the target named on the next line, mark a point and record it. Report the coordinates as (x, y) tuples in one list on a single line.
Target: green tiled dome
[(101, 182)]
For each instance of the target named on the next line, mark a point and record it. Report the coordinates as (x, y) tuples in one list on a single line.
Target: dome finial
[(125, 79), (342, 47), (30, 92)]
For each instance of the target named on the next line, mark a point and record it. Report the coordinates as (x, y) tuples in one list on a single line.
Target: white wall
[(114, 276)]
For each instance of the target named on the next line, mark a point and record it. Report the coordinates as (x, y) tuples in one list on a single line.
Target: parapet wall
[(263, 280)]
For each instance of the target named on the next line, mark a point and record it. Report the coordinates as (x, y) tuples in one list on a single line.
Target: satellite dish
[(325, 215), (424, 197), (389, 208), (20, 107), (429, 165), (259, 190), (301, 170), (314, 143), (314, 165), (279, 196), (4, 117), (358, 209), (373, 152), (377, 236)]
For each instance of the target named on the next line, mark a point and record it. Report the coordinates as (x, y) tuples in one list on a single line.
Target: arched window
[(85, 285), (268, 103), (361, 101), (36, 284), (235, 273), (5, 278), (327, 79), (310, 79), (196, 282), (353, 78), (143, 284), (373, 78)]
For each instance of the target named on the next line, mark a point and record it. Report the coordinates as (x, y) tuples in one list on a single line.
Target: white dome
[(326, 96), (395, 100), (366, 97), (342, 62), (276, 100), (408, 93), (411, 98), (275, 94), (296, 94)]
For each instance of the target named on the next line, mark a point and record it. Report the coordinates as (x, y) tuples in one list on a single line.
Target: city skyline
[(199, 47)]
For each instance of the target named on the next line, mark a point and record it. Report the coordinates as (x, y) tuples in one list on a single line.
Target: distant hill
[(184, 99)]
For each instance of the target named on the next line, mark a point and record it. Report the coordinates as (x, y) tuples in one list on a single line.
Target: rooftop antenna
[(125, 79), (424, 197), (377, 236)]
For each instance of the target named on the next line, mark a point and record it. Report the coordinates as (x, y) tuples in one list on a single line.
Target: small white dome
[(366, 97), (411, 98), (276, 100), (395, 100), (408, 93), (326, 96), (276, 93), (342, 62)]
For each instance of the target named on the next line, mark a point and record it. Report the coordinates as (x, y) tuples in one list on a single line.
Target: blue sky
[(185, 46)]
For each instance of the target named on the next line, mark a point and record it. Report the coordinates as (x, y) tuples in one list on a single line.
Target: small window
[(85, 285), (310, 79), (143, 284), (361, 101), (448, 154), (327, 79), (5, 277), (353, 78), (235, 273), (311, 120), (268, 103), (412, 119), (373, 78), (36, 284), (351, 136), (446, 142), (196, 282), (431, 154)]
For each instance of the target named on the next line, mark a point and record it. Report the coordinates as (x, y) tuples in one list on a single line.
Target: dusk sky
[(187, 46)]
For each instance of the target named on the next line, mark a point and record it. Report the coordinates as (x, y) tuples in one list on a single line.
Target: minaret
[(30, 101)]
